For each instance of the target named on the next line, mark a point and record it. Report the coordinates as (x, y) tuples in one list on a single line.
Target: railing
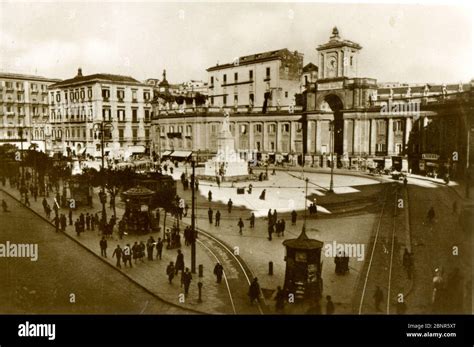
[(239, 109)]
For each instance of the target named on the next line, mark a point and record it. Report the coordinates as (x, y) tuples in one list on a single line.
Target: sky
[(401, 42)]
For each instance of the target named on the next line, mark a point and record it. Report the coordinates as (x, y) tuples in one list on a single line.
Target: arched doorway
[(336, 106)]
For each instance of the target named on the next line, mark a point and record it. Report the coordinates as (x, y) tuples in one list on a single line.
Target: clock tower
[(338, 58)]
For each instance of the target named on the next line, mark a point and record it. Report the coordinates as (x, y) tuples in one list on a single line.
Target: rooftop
[(17, 76), (255, 58), (100, 77)]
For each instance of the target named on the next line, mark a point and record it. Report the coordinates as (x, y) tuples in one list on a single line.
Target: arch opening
[(336, 105)]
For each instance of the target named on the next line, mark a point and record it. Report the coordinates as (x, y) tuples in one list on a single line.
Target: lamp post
[(100, 127), (305, 202), (193, 218), (331, 129), (20, 134)]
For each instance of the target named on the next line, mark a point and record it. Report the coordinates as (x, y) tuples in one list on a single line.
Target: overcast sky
[(401, 42)]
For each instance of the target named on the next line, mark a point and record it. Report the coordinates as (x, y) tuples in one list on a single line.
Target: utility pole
[(193, 220)]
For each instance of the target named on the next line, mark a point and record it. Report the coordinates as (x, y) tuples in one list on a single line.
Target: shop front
[(429, 165)]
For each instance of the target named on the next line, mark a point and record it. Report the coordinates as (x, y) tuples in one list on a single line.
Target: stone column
[(345, 145), (372, 136), (317, 141), (309, 148), (390, 137), (408, 126), (356, 137), (278, 138)]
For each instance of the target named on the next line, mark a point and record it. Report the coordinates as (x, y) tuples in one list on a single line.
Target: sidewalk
[(151, 275)]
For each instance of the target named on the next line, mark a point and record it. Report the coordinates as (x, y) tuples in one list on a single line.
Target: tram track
[(379, 269)]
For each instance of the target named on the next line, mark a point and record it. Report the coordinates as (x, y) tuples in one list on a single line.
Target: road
[(64, 272)]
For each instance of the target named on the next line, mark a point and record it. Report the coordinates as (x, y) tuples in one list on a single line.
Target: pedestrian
[(27, 200), (218, 218), (252, 220), (262, 194), (254, 291), (127, 255), (56, 221), (378, 298), (209, 196), (186, 279), (135, 251), (280, 299), (293, 217), (329, 305), (70, 216), (170, 271), (103, 247), (186, 209), (150, 246), (270, 231), (63, 222), (118, 254), (179, 264), (88, 221), (4, 206), (209, 215), (141, 251), (159, 248), (218, 271), (229, 205), (240, 224), (283, 226)]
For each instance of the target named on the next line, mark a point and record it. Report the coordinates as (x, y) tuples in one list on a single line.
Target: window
[(258, 128), (251, 75), (120, 134), (83, 94), (286, 128), (106, 114), (213, 128), (180, 129), (268, 72), (381, 127), (212, 80), (236, 99), (189, 130), (224, 101), (224, 78), (135, 134), (236, 77), (120, 94), (287, 69), (71, 95), (58, 97), (380, 147), (251, 99), (272, 146), (352, 60), (76, 95), (147, 115), (147, 134), (134, 115), (89, 93), (34, 87), (286, 93), (134, 95), (65, 96), (121, 115), (243, 129), (398, 126), (257, 144), (105, 94), (146, 95), (271, 128)]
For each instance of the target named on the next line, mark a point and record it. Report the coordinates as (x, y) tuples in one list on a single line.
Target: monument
[(227, 164)]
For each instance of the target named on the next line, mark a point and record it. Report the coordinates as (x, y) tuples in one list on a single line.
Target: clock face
[(331, 63)]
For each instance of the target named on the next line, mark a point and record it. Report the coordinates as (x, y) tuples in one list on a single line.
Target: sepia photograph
[(236, 158)]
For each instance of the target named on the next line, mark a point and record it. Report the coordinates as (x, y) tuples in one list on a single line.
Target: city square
[(280, 182)]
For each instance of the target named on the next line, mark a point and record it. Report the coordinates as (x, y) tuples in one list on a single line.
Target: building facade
[(270, 78), (81, 105), (24, 109), (417, 128)]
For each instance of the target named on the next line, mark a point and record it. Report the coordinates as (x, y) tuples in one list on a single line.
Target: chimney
[(79, 72)]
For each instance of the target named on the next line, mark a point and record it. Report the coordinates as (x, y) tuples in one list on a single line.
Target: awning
[(136, 149), (166, 153), (181, 154)]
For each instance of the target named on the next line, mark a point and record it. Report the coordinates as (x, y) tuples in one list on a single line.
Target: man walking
[(252, 220), (218, 271), (209, 215), (170, 272), (293, 217), (240, 224), (186, 278), (118, 254), (229, 205), (218, 218), (159, 248), (254, 291), (127, 255), (103, 247), (179, 264)]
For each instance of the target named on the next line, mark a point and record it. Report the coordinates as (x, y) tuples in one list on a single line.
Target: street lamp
[(193, 217), (331, 129), (100, 127), (20, 134), (305, 202)]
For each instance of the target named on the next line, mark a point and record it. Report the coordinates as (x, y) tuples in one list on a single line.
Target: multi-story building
[(24, 109), (80, 105), (420, 128), (270, 78)]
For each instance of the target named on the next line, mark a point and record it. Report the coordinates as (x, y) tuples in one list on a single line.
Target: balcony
[(173, 135), (105, 99), (135, 100), (34, 91), (266, 79)]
